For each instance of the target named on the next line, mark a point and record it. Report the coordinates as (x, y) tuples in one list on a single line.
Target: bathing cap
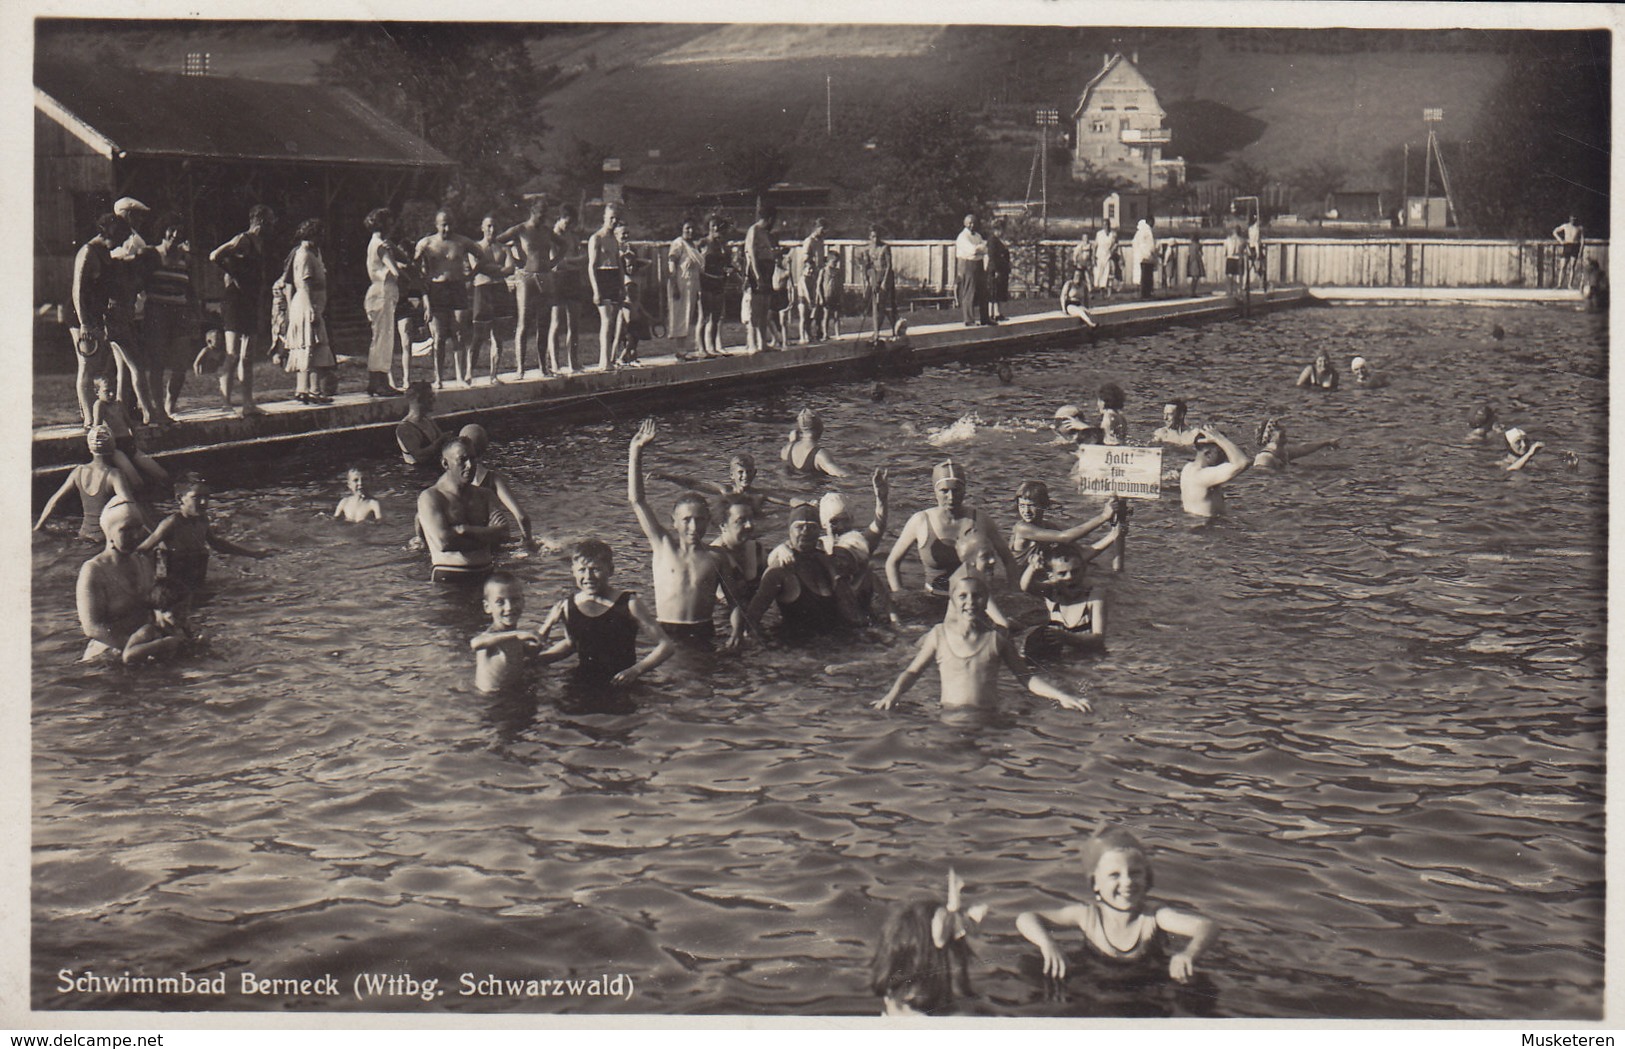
[(475, 437), (113, 513), (1068, 411), (1513, 436), (1358, 362), (949, 471), (124, 205), (831, 506), (804, 513)]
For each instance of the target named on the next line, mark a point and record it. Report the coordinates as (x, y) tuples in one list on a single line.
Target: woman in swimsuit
[(1322, 373), (801, 454), (1275, 452), (98, 482), (1116, 924), (417, 435), (936, 533)]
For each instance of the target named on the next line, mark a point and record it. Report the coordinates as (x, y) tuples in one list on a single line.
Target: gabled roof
[(1105, 71), (128, 112)]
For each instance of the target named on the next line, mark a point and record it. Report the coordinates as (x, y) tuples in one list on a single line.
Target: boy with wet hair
[(601, 625), (741, 481), (686, 573), (184, 538), (499, 652)]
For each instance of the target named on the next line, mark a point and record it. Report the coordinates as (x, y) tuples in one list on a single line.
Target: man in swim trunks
[(100, 318), (1218, 461), (493, 299), (761, 255), (1234, 247), (449, 261), (535, 295), (569, 287), (686, 572), (113, 586), (1173, 429), (608, 283), (454, 517), (937, 531), (1571, 238), (243, 305)]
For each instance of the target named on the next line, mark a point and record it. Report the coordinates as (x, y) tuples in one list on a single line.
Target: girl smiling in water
[(1115, 925)]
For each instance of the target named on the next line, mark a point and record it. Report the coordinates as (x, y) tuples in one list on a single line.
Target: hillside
[(686, 92)]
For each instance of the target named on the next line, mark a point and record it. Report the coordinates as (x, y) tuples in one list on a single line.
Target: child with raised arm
[(499, 652), (1116, 925), (1032, 536), (358, 506), (1077, 617), (968, 649), (183, 539), (921, 962), (168, 633), (686, 572), (601, 625)]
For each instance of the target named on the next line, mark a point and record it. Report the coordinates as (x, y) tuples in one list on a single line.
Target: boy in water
[(601, 626), (358, 506), (1077, 617), (741, 481), (499, 653), (968, 649), (978, 558), (167, 633), (686, 573), (1219, 460), (183, 539)]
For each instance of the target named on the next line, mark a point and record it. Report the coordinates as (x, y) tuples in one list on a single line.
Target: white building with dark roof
[(1117, 120)]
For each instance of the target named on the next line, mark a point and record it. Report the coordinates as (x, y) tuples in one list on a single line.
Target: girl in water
[(1118, 928), (1322, 373), (1275, 452), (1032, 536), (801, 454), (1112, 424)]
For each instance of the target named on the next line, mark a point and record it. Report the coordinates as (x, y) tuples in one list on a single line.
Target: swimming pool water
[(1359, 723)]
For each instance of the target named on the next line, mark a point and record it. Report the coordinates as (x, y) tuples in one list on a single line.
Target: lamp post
[(1047, 118)]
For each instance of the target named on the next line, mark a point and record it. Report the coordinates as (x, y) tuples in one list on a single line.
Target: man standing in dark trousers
[(971, 251)]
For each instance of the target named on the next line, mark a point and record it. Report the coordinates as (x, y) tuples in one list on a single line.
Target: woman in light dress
[(309, 350)]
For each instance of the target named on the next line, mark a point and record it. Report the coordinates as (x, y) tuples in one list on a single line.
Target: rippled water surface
[(1359, 723)]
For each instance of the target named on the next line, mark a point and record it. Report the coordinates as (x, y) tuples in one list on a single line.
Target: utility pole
[(829, 106), (1047, 117)]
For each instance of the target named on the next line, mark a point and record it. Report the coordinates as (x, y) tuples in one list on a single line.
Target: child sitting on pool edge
[(967, 649), (168, 632), (358, 506), (1115, 925), (601, 626), (499, 652)]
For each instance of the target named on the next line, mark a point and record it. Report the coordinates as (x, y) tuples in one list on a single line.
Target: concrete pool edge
[(212, 431), (1445, 296)]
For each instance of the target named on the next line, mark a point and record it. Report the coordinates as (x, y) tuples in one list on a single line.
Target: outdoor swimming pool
[(1359, 723)]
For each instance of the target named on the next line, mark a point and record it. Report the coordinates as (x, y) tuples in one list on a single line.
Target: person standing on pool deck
[(1105, 249), (761, 255), (449, 261), (607, 277), (534, 296), (243, 260), (1219, 460), (1234, 247), (454, 517), (568, 287), (715, 262), (111, 594), (809, 289), (937, 531), (1145, 255), (683, 284), (968, 650), (493, 299), (1571, 239), (686, 572), (998, 271), (1195, 265), (383, 295), (879, 282), (971, 252)]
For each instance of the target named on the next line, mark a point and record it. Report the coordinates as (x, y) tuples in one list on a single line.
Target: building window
[(1132, 109), (1122, 123), (1107, 109), (1098, 127)]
